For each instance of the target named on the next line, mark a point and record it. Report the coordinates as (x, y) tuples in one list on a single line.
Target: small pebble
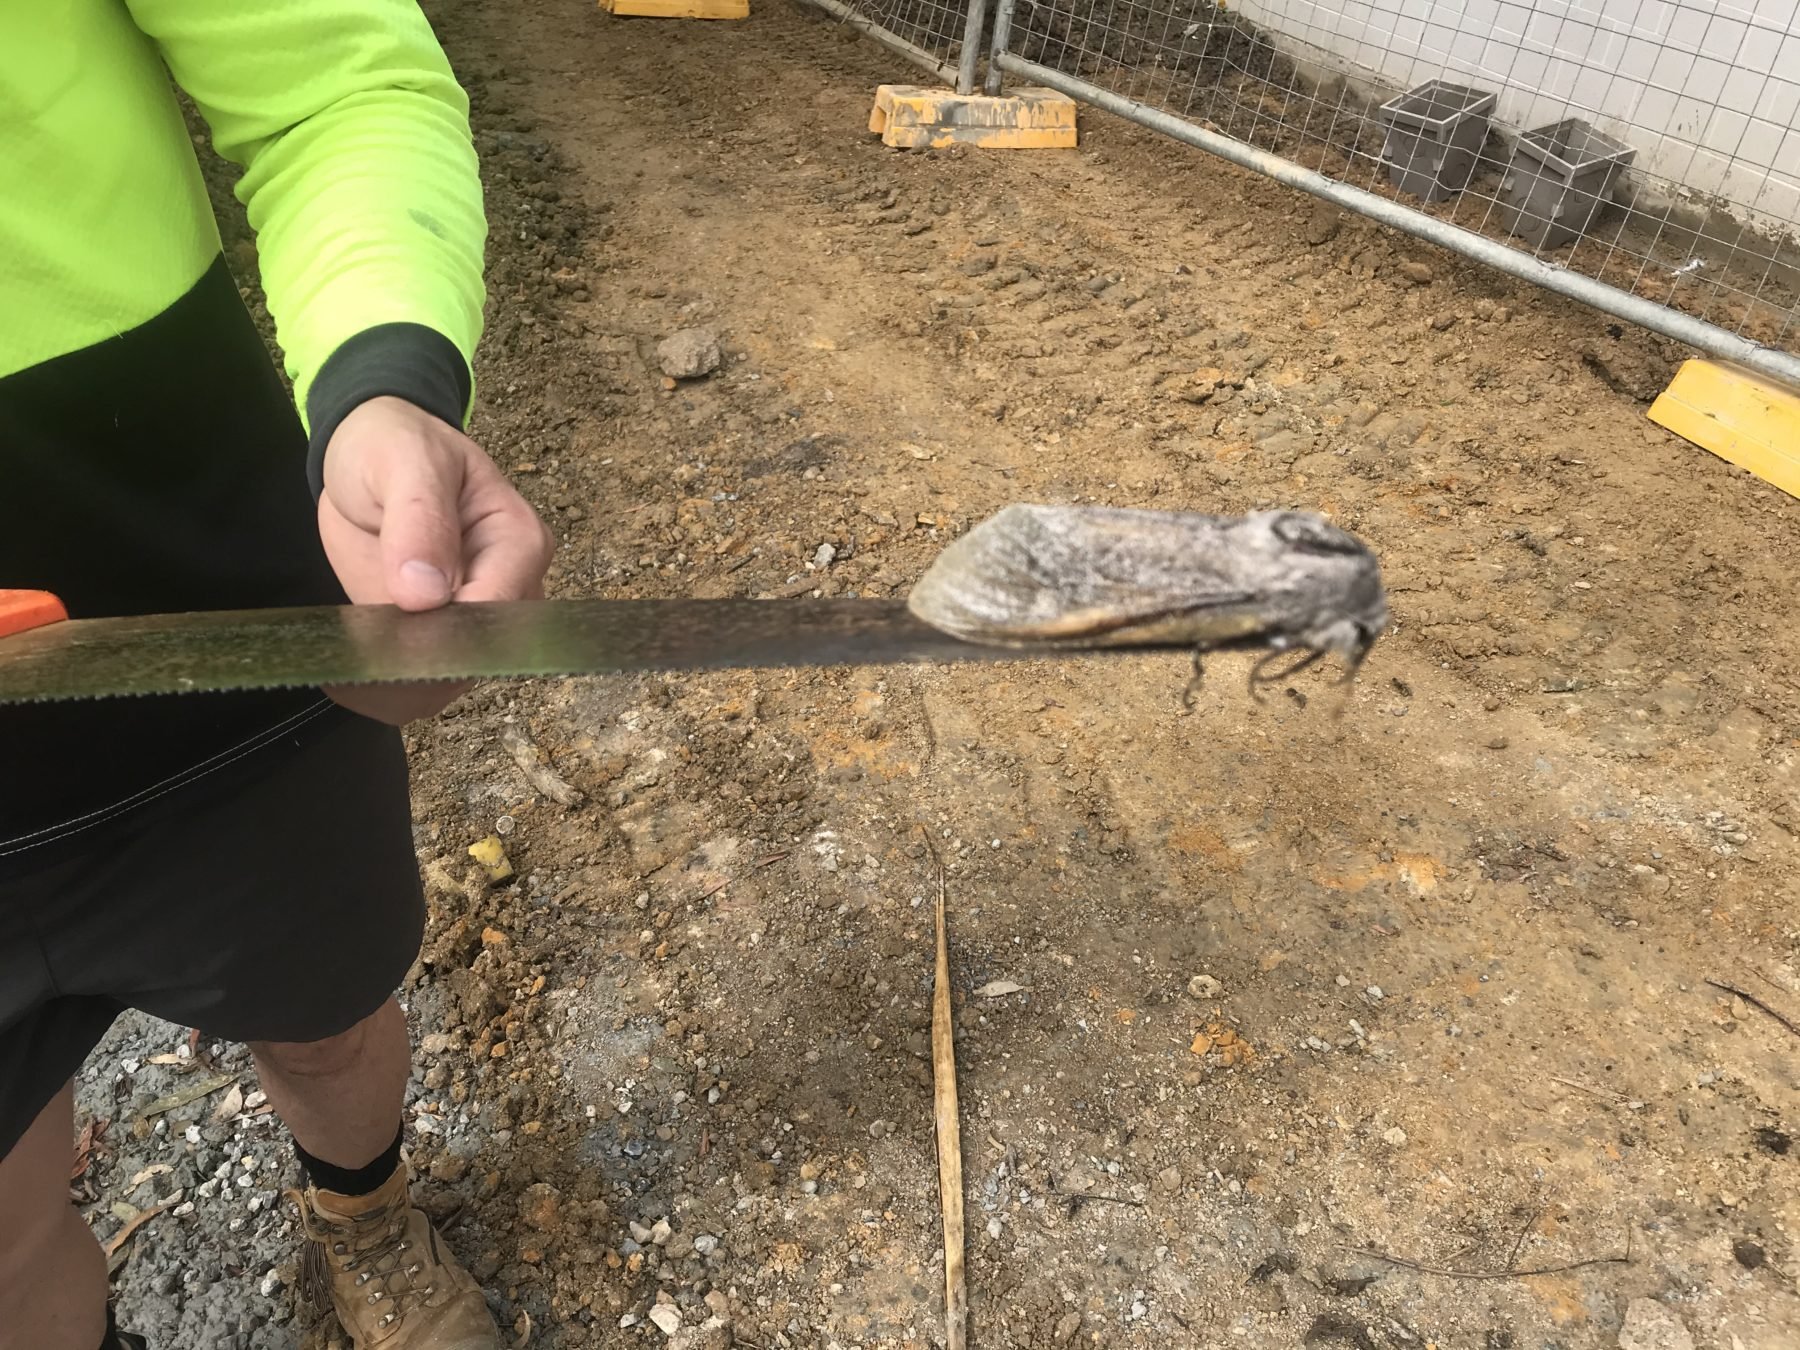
[(1205, 986)]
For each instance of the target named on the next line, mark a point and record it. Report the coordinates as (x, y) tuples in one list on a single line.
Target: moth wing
[(1073, 575)]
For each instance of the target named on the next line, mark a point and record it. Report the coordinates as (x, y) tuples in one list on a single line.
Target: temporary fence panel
[(941, 37), (1640, 155)]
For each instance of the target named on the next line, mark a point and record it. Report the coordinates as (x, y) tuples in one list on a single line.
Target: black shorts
[(238, 862), (275, 898)]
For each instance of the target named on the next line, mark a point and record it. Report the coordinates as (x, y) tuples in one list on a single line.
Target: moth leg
[(1260, 674), (1195, 680)]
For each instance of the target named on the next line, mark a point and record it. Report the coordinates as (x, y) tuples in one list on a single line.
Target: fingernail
[(427, 580)]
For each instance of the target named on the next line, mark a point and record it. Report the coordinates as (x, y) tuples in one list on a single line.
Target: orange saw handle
[(23, 610)]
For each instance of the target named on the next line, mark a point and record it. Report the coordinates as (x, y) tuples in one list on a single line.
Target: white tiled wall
[(1708, 91)]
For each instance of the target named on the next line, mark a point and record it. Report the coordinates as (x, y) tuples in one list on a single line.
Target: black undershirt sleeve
[(399, 360)]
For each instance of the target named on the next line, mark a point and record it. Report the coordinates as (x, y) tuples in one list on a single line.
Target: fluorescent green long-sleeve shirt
[(360, 176), (150, 461)]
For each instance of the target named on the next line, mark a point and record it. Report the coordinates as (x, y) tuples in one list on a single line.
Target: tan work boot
[(391, 1279)]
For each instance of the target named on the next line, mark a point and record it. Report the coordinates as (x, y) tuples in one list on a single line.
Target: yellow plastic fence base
[(678, 9), (909, 117), (1739, 416)]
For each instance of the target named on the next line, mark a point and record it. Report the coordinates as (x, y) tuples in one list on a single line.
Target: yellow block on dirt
[(909, 117), (1737, 414), (677, 9)]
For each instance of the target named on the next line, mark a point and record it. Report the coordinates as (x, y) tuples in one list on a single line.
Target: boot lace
[(372, 1249)]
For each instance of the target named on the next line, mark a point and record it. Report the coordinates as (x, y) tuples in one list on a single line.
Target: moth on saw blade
[(1093, 576)]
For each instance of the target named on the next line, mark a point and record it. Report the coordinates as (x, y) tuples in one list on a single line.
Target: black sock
[(352, 1180)]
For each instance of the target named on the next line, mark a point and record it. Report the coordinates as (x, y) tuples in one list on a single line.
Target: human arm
[(360, 180)]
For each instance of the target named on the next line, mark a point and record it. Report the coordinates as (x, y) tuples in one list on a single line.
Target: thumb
[(421, 531)]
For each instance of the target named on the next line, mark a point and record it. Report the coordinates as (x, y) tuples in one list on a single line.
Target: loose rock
[(689, 354), (1750, 1255), (541, 1207), (1323, 225)]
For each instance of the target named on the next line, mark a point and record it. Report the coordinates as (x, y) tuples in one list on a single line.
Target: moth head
[(1348, 639), (1336, 600)]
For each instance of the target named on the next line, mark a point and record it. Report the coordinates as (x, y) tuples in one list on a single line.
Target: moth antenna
[(1195, 680)]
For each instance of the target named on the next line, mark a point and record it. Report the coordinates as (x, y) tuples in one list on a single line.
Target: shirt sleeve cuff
[(398, 360)]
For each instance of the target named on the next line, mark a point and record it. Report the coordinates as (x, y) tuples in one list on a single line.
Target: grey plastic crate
[(1559, 181), (1434, 136)]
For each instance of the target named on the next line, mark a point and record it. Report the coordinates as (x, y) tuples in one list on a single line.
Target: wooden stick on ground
[(1756, 1002), (949, 1134)]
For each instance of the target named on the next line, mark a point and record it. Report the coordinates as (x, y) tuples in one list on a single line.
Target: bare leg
[(341, 1097), (52, 1274)]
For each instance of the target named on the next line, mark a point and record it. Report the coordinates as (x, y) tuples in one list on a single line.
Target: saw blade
[(381, 644)]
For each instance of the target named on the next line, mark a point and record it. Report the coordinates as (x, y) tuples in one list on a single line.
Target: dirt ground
[(1420, 970)]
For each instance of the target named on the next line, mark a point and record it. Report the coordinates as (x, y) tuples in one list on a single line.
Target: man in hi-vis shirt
[(241, 863)]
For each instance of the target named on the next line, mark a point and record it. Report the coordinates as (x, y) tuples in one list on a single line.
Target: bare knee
[(329, 1058)]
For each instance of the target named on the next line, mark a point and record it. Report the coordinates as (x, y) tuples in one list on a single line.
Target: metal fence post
[(996, 77), (971, 47)]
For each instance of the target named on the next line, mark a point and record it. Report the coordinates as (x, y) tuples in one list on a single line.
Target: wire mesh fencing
[(941, 37), (1652, 146)]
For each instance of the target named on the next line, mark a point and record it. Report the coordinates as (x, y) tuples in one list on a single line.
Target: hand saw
[(1031, 581), (47, 657)]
